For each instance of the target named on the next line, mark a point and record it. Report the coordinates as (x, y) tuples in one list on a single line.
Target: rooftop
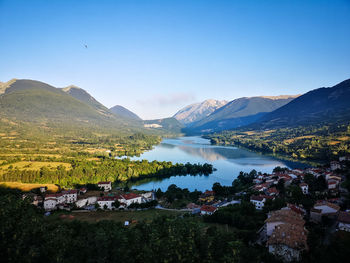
[(286, 216), (294, 236)]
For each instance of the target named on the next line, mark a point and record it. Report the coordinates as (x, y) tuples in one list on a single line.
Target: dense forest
[(83, 171), (305, 142), (27, 236)]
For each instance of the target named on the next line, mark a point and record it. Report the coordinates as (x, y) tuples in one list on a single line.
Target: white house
[(59, 197), (344, 221), (258, 201), (50, 203), (106, 202), (70, 196), (130, 198), (208, 210), (106, 186), (86, 201), (148, 196), (305, 188)]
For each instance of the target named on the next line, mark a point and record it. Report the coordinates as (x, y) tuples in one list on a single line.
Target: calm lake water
[(228, 161)]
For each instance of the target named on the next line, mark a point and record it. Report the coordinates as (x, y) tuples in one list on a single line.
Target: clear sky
[(155, 57)]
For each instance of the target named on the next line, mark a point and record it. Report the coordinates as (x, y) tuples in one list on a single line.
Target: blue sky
[(155, 57)]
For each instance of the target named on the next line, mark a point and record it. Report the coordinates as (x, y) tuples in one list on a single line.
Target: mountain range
[(323, 106), (237, 113), (38, 103)]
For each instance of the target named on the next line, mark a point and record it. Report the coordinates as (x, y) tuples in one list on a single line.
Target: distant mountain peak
[(124, 112), (198, 111)]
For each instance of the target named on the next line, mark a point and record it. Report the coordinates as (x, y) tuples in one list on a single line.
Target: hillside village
[(312, 196)]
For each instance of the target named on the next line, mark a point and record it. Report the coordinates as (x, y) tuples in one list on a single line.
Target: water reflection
[(228, 161)]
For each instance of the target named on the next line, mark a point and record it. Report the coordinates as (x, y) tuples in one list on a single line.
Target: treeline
[(306, 142), (107, 169), (26, 236)]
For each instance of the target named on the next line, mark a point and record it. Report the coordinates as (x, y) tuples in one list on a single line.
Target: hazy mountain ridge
[(122, 111), (198, 111), (36, 102), (167, 124), (237, 113), (323, 105)]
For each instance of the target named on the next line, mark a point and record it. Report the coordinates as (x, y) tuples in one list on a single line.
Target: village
[(284, 232)]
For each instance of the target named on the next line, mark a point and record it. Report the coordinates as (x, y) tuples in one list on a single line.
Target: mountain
[(167, 125), (198, 111), (40, 104), (319, 106), (121, 111), (83, 96), (237, 113)]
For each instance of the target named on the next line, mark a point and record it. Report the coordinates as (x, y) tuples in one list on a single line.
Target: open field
[(27, 165), (28, 187), (118, 216)]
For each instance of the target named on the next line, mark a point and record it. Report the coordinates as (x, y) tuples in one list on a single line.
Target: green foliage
[(116, 170), (313, 142), (26, 236)]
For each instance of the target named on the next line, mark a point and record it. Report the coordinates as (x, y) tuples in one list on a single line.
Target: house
[(305, 188), (207, 196), (86, 201), (344, 221), (34, 198), (58, 196), (50, 204), (70, 196), (323, 208), (130, 198), (258, 201), (106, 202), (208, 210), (272, 191), (192, 206), (148, 196), (288, 241), (335, 165), (283, 216), (297, 209), (106, 186)]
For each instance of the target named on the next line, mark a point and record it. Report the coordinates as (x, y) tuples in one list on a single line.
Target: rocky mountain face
[(198, 111)]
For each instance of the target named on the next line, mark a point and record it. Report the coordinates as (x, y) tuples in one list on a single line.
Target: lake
[(228, 161)]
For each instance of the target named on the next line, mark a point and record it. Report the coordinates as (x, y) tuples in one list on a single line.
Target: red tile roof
[(130, 196), (104, 182), (208, 208)]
